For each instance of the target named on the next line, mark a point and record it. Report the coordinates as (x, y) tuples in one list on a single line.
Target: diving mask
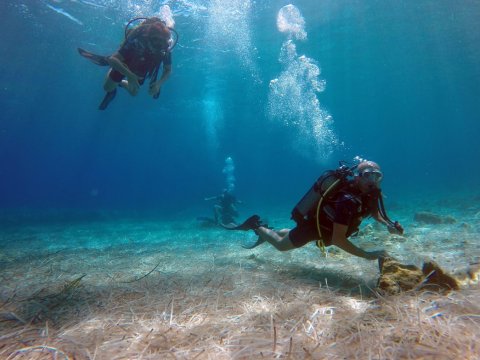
[(373, 175)]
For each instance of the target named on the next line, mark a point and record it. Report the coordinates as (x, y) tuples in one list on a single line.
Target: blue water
[(400, 84)]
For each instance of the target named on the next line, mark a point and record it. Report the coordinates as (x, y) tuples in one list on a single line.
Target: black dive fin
[(109, 96), (255, 244), (252, 223), (96, 59)]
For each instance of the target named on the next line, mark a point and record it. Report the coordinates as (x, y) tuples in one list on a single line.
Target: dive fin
[(96, 59), (252, 223), (109, 96)]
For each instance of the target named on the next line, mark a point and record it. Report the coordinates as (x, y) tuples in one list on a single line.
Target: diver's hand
[(154, 90), (395, 229)]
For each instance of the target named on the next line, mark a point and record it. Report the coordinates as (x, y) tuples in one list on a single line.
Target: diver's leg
[(216, 211), (124, 84), (132, 86), (279, 239), (109, 84)]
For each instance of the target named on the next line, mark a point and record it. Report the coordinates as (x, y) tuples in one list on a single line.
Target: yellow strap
[(321, 246), (321, 243)]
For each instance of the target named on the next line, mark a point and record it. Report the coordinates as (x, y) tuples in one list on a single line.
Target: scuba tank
[(323, 187)]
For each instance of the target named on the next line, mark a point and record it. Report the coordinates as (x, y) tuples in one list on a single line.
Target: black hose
[(131, 21), (170, 48), (381, 208)]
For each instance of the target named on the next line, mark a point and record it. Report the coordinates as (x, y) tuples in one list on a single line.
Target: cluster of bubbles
[(165, 13), (213, 115), (229, 27), (229, 170), (152, 8), (291, 22), (293, 94), (184, 8)]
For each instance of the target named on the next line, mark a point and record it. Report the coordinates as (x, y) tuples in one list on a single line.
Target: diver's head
[(368, 175), (159, 36)]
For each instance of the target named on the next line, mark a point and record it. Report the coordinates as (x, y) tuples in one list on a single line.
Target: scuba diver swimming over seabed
[(330, 212)]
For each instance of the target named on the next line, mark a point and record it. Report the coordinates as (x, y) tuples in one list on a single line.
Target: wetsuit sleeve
[(345, 209)]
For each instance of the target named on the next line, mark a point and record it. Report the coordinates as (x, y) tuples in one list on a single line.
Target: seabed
[(153, 289)]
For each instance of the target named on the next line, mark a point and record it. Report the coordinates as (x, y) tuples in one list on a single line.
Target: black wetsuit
[(347, 207)]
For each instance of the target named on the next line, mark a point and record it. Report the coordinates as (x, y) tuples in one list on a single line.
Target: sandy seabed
[(143, 289)]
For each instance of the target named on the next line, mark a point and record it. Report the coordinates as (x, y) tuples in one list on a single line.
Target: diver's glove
[(395, 228)]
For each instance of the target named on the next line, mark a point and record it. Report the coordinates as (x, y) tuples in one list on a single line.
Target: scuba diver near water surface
[(145, 48), (330, 212)]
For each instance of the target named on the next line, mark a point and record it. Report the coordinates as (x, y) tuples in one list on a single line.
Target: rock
[(427, 218), (434, 219), (396, 277), (473, 271), (469, 275), (449, 220), (436, 276), (465, 226)]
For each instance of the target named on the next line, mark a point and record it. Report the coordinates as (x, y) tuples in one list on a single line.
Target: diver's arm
[(210, 198), (339, 239), (376, 215), (155, 86), (167, 70), (394, 228)]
